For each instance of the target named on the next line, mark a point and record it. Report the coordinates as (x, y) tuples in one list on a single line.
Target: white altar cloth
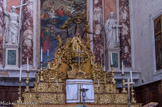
[(73, 93)]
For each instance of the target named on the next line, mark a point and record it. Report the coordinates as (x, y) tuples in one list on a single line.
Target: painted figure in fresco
[(111, 31), (53, 15), (52, 12), (12, 28), (46, 39), (61, 16)]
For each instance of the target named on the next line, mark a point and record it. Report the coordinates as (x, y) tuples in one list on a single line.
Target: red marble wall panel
[(125, 32), (27, 36), (98, 39)]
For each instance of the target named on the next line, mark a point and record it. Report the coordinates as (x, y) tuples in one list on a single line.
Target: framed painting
[(158, 42), (53, 14)]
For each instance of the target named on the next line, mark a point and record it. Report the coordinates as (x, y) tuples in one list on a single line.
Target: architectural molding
[(35, 4), (90, 13), (153, 16), (117, 10), (157, 74), (131, 31)]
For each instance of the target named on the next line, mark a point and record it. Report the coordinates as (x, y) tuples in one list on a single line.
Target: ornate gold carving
[(59, 40), (74, 60), (123, 84), (132, 95), (19, 98), (27, 82)]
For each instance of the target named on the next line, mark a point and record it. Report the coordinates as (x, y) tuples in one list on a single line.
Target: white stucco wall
[(142, 13)]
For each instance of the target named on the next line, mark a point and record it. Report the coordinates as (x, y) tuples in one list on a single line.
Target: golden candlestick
[(123, 84), (105, 79), (37, 90), (27, 82), (57, 90), (112, 73), (132, 95), (19, 98), (98, 98), (41, 72), (49, 85)]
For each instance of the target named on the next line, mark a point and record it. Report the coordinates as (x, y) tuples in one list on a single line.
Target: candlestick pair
[(20, 76), (130, 72)]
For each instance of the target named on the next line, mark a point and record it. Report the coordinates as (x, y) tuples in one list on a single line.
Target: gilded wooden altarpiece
[(73, 60)]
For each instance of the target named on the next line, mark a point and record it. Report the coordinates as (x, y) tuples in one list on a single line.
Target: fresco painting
[(53, 14)]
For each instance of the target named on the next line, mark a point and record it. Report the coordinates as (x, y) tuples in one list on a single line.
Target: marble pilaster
[(27, 36), (125, 39), (1, 30), (98, 38)]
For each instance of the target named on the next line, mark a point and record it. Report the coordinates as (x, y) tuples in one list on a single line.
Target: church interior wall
[(137, 35), (143, 12), (137, 52), (125, 37), (141, 22), (30, 39), (30, 21)]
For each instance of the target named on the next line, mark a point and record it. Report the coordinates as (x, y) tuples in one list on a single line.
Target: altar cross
[(129, 83), (117, 27)]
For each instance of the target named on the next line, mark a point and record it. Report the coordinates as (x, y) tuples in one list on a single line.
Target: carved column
[(1, 30)]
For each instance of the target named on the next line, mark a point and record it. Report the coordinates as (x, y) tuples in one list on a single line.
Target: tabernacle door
[(73, 93)]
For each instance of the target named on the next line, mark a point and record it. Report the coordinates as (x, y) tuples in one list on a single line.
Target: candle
[(59, 60), (48, 52), (84, 87), (37, 79), (27, 64), (79, 49), (98, 83), (111, 59), (79, 60), (41, 55), (57, 82), (131, 76), (104, 69), (128, 80), (20, 73), (122, 68), (79, 55), (49, 66), (91, 61)]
